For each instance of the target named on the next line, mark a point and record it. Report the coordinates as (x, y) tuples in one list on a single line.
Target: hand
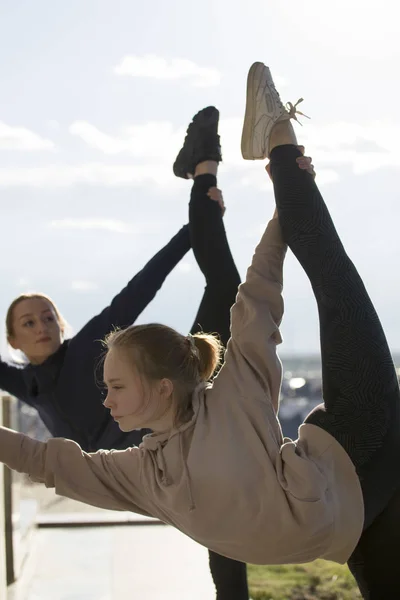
[(215, 194), (304, 162)]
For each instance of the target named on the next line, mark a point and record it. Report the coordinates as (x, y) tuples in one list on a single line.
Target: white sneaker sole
[(255, 77)]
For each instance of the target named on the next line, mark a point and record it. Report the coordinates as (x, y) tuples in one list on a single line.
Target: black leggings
[(360, 386), (213, 255)]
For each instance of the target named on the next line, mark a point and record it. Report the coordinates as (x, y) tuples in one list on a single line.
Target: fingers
[(305, 163), (215, 194), (222, 206), (299, 160)]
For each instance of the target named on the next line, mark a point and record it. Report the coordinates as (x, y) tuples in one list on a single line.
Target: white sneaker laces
[(293, 112)]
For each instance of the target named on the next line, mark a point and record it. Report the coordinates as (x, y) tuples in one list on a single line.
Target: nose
[(106, 402)]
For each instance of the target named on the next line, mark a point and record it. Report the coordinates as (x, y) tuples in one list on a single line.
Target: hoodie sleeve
[(251, 363), (12, 380), (106, 479), (134, 298)]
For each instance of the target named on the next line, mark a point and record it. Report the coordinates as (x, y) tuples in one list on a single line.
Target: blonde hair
[(158, 352), (31, 296)]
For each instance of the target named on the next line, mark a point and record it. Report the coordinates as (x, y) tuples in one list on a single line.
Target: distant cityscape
[(302, 389)]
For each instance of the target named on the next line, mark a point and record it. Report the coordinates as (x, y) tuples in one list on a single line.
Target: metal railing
[(19, 510), (8, 499)]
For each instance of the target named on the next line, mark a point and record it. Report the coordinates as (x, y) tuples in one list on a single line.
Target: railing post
[(3, 562), (8, 502)]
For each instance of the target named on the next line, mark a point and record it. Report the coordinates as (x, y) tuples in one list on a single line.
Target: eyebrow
[(31, 314), (114, 380)]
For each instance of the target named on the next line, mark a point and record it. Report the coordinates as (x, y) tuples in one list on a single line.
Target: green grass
[(319, 580)]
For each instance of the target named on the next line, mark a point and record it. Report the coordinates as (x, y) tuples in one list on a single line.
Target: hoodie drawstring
[(192, 504)]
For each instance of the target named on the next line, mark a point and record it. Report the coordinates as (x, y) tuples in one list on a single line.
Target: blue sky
[(94, 103)]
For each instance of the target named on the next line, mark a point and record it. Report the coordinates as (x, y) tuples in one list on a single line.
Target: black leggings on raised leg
[(360, 387), (213, 255)]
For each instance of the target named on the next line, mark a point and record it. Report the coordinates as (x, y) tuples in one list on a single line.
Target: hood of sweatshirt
[(161, 443)]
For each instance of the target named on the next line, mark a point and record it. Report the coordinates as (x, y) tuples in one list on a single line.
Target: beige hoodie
[(227, 478)]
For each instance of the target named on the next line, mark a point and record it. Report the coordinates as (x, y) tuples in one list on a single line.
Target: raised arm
[(140, 291), (107, 479), (251, 362)]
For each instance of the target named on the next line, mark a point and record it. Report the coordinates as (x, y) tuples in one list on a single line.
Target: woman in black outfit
[(60, 378)]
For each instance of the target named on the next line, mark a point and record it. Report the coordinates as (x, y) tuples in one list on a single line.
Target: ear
[(12, 342), (165, 388)]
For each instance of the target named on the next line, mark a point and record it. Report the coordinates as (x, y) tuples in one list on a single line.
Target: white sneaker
[(264, 109)]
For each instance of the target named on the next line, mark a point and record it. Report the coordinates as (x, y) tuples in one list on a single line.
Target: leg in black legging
[(213, 255), (375, 561), (360, 387)]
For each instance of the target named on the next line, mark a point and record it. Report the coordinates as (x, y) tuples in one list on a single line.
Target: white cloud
[(359, 147), (113, 225), (55, 176), (150, 140), (156, 67), (19, 138), (102, 224), (325, 176), (95, 138), (362, 147), (84, 286)]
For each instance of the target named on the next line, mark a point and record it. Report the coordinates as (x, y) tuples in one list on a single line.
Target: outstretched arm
[(252, 366), (134, 298), (107, 479)]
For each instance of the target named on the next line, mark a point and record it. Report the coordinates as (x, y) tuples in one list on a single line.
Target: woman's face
[(36, 330), (133, 403)]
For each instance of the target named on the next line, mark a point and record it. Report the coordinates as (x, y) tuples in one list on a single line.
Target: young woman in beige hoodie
[(217, 466)]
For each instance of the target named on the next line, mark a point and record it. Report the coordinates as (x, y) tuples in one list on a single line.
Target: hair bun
[(209, 351)]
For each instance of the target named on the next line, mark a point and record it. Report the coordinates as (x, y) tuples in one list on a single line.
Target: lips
[(44, 339)]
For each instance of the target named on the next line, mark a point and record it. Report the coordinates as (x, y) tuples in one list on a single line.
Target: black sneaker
[(201, 143)]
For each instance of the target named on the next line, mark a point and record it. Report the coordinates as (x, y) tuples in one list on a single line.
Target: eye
[(117, 387), (29, 323), (49, 319)]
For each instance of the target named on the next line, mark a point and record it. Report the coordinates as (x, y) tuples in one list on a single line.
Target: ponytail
[(209, 350)]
